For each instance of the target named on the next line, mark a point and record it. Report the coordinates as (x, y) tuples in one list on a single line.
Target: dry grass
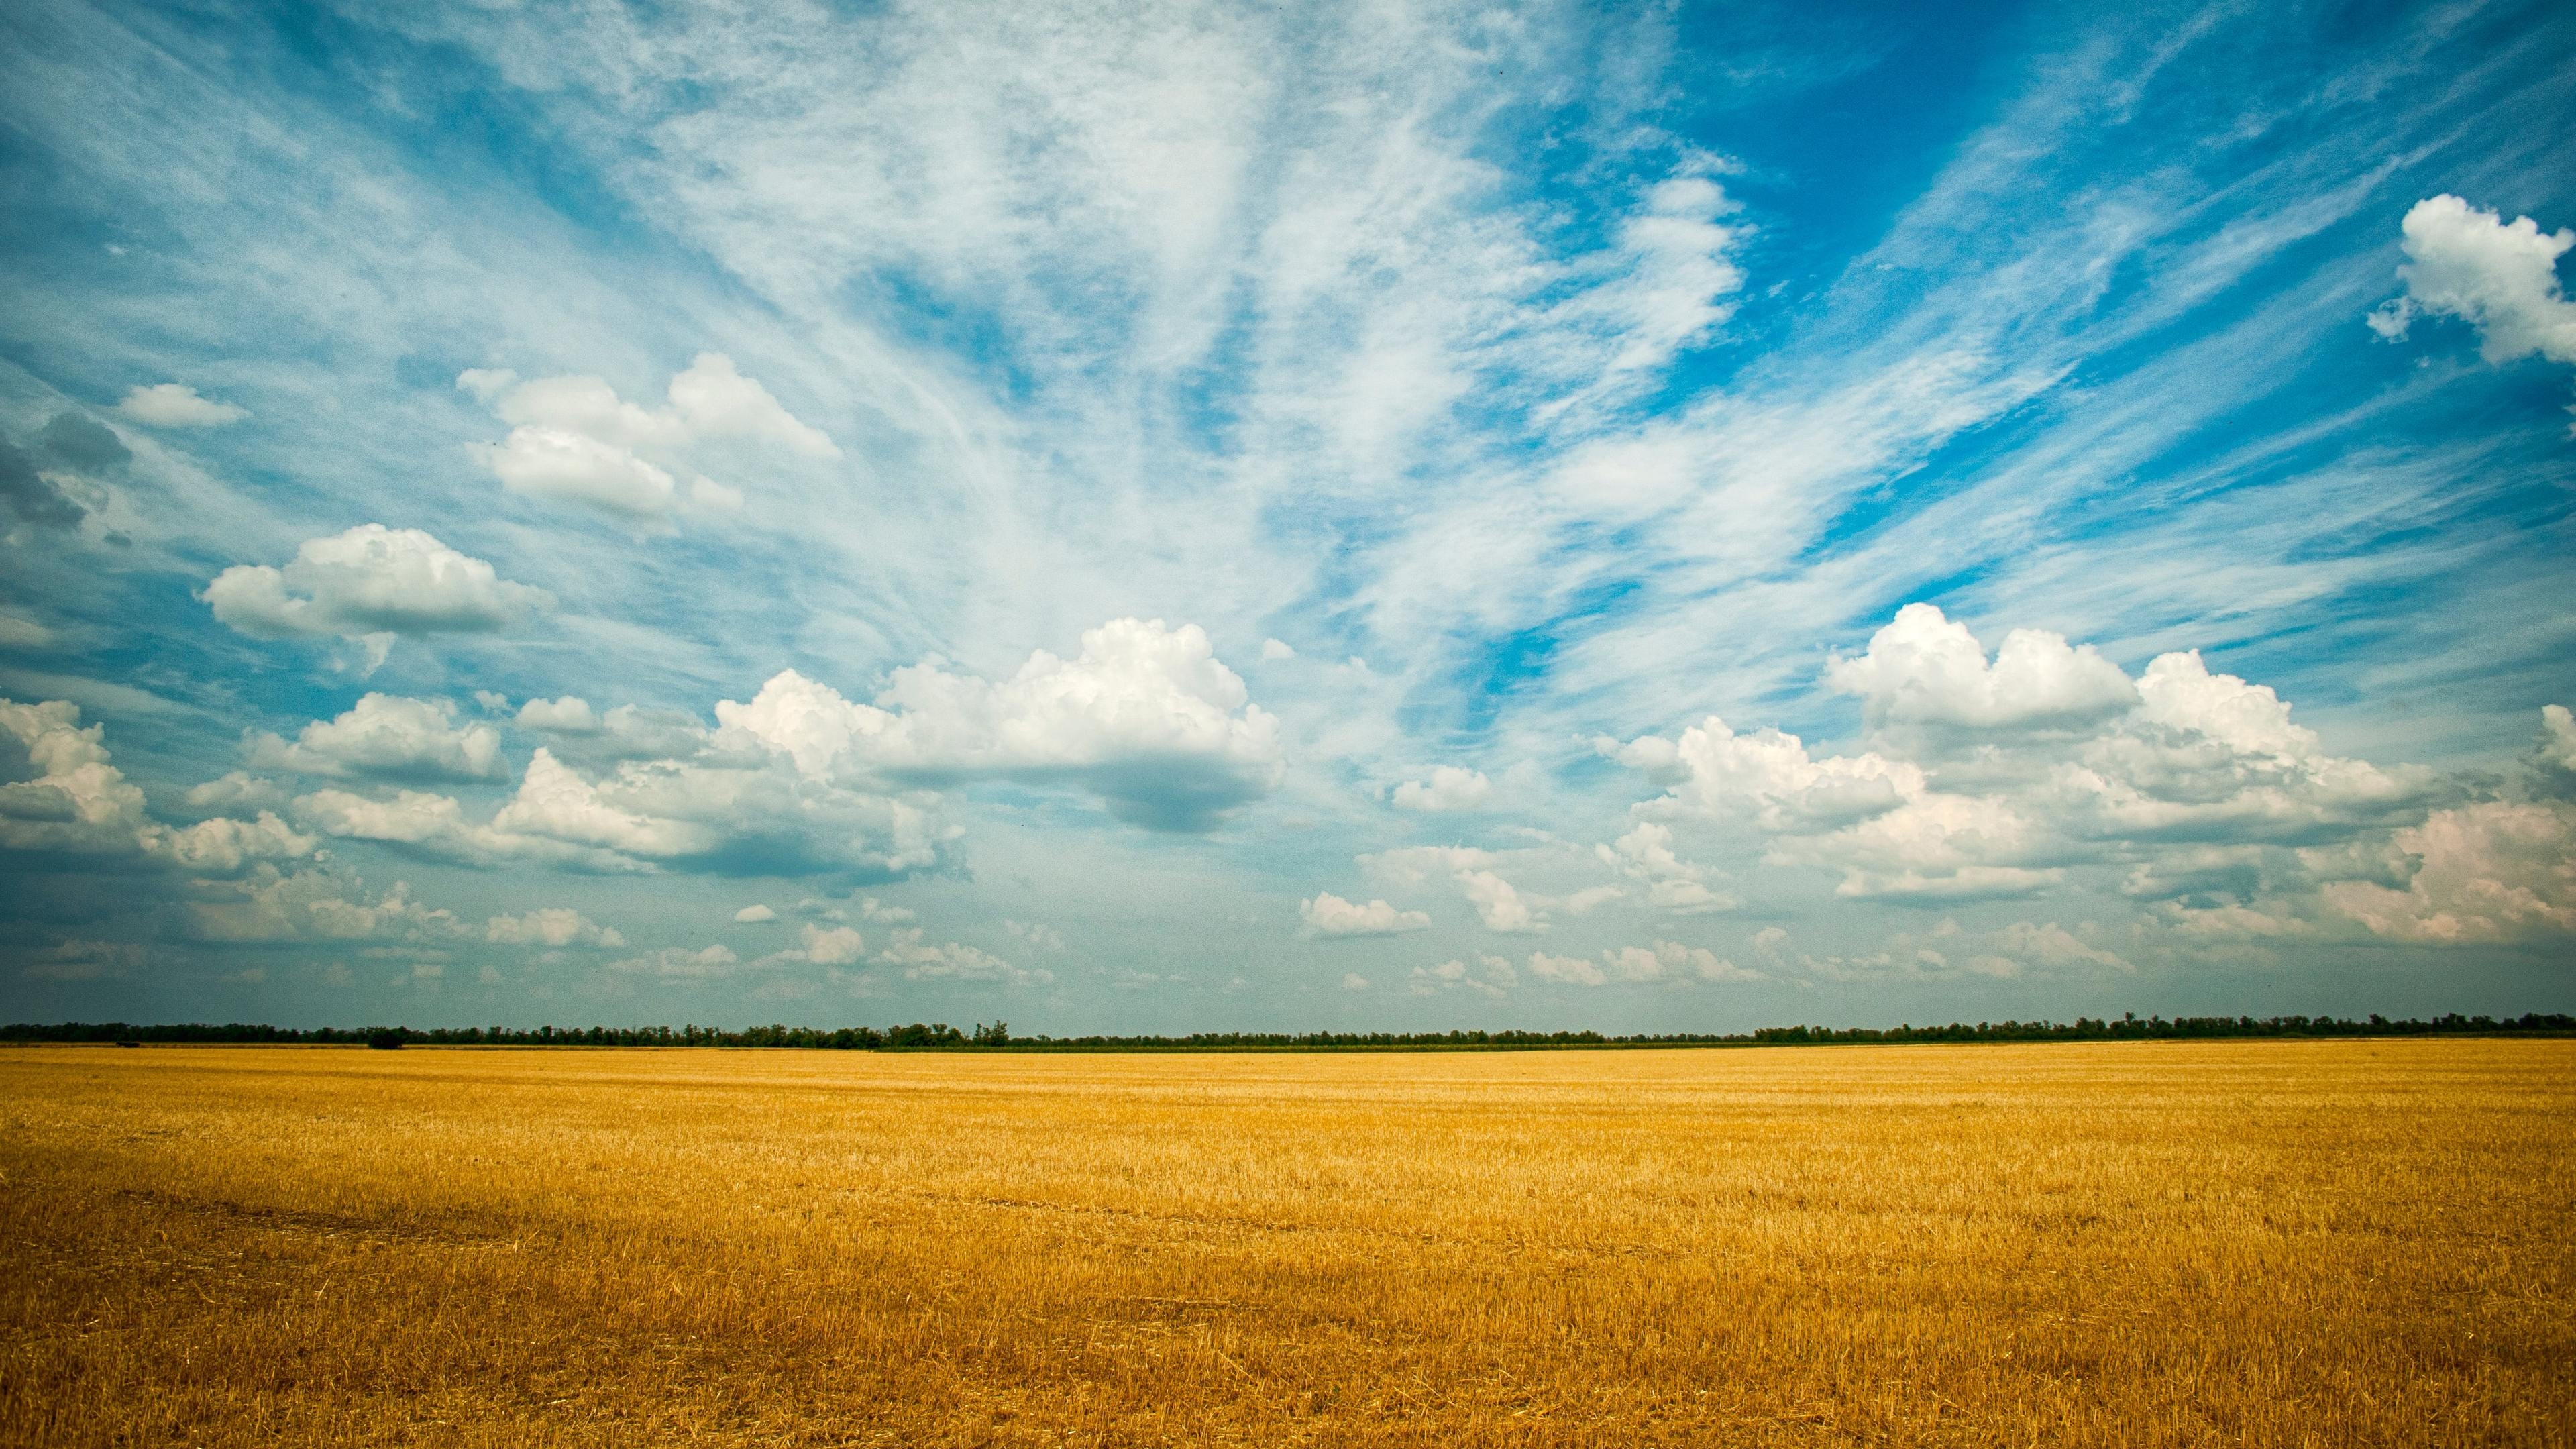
[(2329, 1243)]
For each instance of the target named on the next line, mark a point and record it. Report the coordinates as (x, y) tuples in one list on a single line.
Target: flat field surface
[(2311, 1243)]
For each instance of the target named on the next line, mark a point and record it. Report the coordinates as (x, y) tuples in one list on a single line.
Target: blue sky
[(1198, 517)]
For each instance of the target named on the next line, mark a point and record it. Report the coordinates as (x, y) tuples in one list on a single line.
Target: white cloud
[(571, 467), (1498, 903), (1146, 717), (1646, 854), (551, 926), (1672, 963), (1327, 914), (953, 962), (435, 825), (2493, 871), (1491, 976), (2023, 946), (316, 905), (1354, 981), (371, 580), (1922, 668), (1274, 650), (2501, 278), (387, 736), (570, 715), (679, 963), (70, 798), (237, 791), (2557, 737), (755, 915), (2196, 757), (574, 440), (1566, 970), (171, 405), (714, 400), (1449, 789), (1036, 935)]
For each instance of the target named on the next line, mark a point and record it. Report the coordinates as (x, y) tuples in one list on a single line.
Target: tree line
[(996, 1036)]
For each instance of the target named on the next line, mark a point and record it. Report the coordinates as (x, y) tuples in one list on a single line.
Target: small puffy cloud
[(570, 715), (1041, 937), (174, 405), (316, 905), (551, 926), (755, 915), (1646, 854), (1147, 718), (236, 792), (574, 440), (1274, 650), (1668, 963), (1499, 903), (922, 961), (430, 824), (1924, 669), (2501, 278), (2183, 757), (679, 963), (2022, 947), (570, 467), (61, 793), (714, 400), (1330, 916), (1490, 976), (1449, 789), (1354, 981), (2557, 737), (1566, 970), (371, 580), (386, 736), (832, 945)]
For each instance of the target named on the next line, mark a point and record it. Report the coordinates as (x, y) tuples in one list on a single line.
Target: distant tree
[(386, 1038)]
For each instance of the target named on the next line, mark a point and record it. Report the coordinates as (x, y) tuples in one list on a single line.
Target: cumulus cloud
[(1490, 976), (1146, 718), (1645, 854), (1499, 904), (1354, 981), (1449, 789), (386, 736), (316, 905), (1668, 963), (570, 715), (371, 582), (2022, 947), (1329, 915), (1923, 668), (551, 926), (755, 915), (173, 405), (2501, 278), (2192, 758), (574, 440), (61, 793), (679, 963), (922, 961), (2494, 871)]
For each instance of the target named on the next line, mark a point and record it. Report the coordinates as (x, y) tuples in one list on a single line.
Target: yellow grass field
[(2310, 1243)]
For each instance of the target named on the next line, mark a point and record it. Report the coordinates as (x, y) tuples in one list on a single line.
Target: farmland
[(2272, 1242)]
